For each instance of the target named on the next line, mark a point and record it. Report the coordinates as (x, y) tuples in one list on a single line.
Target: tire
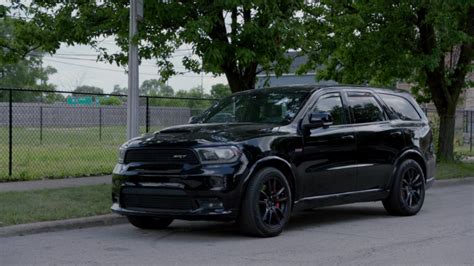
[(266, 206), (146, 222), (408, 190)]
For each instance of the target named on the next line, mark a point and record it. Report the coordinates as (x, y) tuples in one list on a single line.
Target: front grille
[(148, 199), (161, 156)]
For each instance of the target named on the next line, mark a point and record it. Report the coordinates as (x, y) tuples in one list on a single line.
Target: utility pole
[(136, 13)]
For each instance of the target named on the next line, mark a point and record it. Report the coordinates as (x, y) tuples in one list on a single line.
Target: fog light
[(213, 203)]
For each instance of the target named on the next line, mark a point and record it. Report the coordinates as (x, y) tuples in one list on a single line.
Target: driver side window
[(331, 103)]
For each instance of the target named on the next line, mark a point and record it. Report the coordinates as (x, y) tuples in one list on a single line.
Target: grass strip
[(454, 170), (54, 204)]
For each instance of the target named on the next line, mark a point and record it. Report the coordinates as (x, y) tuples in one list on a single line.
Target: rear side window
[(401, 106), (365, 107)]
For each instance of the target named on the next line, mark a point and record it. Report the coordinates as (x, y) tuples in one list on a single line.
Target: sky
[(77, 65)]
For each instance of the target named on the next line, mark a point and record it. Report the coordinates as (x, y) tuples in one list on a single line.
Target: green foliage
[(88, 89), (428, 43), (220, 90), (110, 100), (155, 87), (22, 38), (119, 90), (228, 37)]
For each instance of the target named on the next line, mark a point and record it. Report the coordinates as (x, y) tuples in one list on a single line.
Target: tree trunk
[(446, 135), (238, 82)]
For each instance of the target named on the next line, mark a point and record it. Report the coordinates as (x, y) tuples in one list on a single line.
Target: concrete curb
[(60, 225), (453, 182)]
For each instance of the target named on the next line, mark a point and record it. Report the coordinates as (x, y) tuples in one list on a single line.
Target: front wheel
[(408, 190), (146, 222), (266, 206)]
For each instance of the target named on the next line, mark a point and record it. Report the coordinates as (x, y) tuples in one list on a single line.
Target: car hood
[(193, 134)]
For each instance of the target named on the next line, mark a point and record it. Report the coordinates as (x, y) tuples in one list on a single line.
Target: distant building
[(290, 78)]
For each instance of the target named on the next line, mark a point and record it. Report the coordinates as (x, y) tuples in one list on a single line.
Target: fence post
[(100, 123), (10, 133), (470, 137), (41, 125), (147, 114)]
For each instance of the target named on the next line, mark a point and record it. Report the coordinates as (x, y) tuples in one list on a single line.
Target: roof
[(297, 61), (309, 88)]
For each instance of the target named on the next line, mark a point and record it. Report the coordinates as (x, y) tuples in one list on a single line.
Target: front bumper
[(205, 192), (197, 214)]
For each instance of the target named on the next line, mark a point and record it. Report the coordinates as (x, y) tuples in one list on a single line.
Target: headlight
[(228, 154), (121, 154)]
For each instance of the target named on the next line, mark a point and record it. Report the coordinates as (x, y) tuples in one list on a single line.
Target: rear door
[(329, 152), (378, 140)]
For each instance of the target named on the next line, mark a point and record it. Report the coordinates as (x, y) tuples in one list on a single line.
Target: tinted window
[(260, 106), (331, 103), (401, 106), (365, 107)]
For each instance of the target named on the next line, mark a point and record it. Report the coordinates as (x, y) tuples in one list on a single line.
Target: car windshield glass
[(256, 107)]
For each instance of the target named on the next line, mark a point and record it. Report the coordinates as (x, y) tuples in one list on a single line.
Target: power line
[(114, 70)]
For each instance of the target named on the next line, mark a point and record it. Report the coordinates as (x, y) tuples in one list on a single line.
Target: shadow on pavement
[(309, 219)]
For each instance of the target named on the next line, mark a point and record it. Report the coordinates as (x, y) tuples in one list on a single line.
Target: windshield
[(256, 107)]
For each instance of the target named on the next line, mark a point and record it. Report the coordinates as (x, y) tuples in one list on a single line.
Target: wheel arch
[(276, 162), (410, 154)]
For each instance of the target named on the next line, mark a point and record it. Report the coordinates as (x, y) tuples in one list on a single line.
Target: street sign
[(82, 100)]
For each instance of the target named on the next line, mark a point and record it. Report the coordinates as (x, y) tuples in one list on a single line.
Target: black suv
[(257, 156)]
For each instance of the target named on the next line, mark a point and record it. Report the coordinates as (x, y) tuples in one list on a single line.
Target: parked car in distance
[(257, 156)]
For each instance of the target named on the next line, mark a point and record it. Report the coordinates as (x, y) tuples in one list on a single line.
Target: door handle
[(347, 137)]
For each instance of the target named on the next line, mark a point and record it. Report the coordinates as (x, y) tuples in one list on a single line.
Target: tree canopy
[(428, 43), (225, 37), (220, 91)]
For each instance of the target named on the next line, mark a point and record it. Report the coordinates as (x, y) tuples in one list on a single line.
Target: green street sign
[(81, 100)]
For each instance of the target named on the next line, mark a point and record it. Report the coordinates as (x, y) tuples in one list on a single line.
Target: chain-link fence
[(47, 134), (463, 130)]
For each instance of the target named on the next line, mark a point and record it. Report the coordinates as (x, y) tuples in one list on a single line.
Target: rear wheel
[(408, 190), (266, 206), (146, 222)]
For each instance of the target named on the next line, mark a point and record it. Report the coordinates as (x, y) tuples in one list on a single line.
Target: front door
[(329, 152)]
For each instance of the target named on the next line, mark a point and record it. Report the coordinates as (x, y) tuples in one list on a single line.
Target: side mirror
[(320, 119), (317, 120), (191, 119)]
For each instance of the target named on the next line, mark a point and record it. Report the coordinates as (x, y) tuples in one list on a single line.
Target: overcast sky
[(76, 66)]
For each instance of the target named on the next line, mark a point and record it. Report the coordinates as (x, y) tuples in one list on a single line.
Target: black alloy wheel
[(412, 185), (408, 190), (266, 207), (273, 202)]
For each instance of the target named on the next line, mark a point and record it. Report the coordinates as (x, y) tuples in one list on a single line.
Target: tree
[(119, 90), (233, 38), (22, 38), (155, 87), (428, 42), (27, 74), (22, 45), (220, 91), (88, 89)]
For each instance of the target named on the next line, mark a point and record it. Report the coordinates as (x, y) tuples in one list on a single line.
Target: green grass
[(53, 204), (62, 152), (454, 170)]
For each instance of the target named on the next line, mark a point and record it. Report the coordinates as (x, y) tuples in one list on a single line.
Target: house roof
[(298, 60)]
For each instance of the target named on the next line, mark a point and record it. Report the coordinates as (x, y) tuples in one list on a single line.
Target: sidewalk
[(55, 183)]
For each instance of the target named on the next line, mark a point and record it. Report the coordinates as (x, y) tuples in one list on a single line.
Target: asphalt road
[(442, 233)]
